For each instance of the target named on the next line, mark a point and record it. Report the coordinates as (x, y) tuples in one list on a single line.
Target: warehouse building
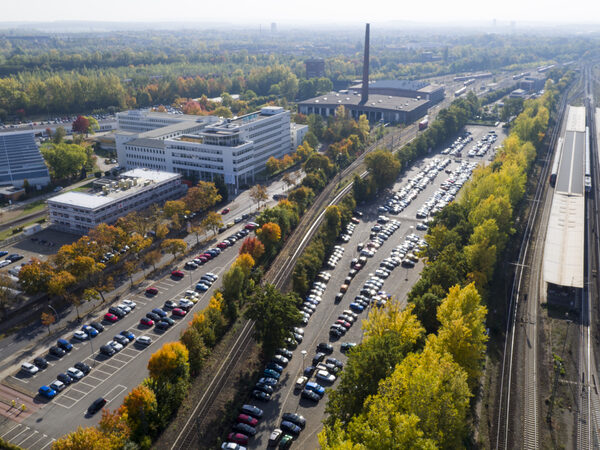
[(78, 212), (20, 160)]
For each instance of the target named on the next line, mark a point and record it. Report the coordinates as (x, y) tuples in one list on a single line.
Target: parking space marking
[(102, 371), (116, 358), (68, 404), (106, 365), (25, 430), (120, 387), (21, 380), (48, 444), (86, 384), (27, 438), (11, 430), (130, 349), (77, 390)]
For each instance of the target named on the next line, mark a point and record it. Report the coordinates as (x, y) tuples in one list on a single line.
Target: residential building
[(20, 160), (135, 190)]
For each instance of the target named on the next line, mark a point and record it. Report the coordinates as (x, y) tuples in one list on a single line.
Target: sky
[(288, 12)]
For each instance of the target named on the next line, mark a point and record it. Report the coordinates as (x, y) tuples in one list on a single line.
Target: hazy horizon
[(238, 12)]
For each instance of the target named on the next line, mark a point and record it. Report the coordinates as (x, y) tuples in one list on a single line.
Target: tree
[(269, 234), (47, 320), (245, 262), (174, 246), (201, 197), (274, 315), (170, 362), (213, 221), (64, 160), (89, 438), (233, 284), (197, 230), (383, 167), (6, 285), (196, 347), (81, 125), (59, 135), (34, 277), (139, 407), (175, 209), (462, 329), (152, 257), (130, 267), (258, 194), (302, 196), (253, 247), (288, 180)]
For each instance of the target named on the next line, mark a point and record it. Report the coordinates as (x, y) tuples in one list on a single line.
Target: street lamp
[(303, 352)]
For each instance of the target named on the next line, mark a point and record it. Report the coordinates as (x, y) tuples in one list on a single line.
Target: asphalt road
[(317, 330)]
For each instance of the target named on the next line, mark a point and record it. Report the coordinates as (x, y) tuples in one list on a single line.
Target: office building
[(135, 190), (20, 160)]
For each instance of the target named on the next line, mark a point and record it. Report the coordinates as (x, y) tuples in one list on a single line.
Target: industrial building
[(203, 147), (315, 68), (78, 212), (20, 160), (387, 100), (563, 265)]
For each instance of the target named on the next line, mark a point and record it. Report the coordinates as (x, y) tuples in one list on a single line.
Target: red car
[(151, 290), (250, 226), (179, 312), (202, 258), (110, 317), (245, 418), (177, 273), (238, 438), (343, 323), (355, 220), (222, 245), (207, 256), (225, 211), (146, 322)]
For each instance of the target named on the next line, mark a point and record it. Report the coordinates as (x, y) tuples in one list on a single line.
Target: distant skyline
[(334, 12)]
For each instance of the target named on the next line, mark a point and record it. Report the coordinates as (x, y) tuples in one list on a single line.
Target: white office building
[(135, 190), (201, 148), (298, 132)]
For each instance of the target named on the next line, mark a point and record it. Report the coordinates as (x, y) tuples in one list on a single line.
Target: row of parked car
[(484, 144), (459, 143)]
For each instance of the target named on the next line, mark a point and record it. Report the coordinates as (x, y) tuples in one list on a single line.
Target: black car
[(244, 428), (264, 388), (335, 362), (152, 316), (285, 352), (64, 378), (290, 428), (252, 410), (335, 332), (57, 351), (168, 320), (162, 325), (310, 395), (64, 344), (260, 395), (14, 257), (96, 406), (83, 367), (325, 348), (275, 367), (40, 362), (170, 304), (107, 350), (308, 371), (117, 311), (295, 419), (98, 326), (318, 358)]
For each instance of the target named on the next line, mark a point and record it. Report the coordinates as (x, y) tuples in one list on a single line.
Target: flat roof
[(576, 118), (564, 246), (410, 85), (571, 169), (374, 101), (97, 200)]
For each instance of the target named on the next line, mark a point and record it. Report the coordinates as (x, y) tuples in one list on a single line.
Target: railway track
[(505, 430)]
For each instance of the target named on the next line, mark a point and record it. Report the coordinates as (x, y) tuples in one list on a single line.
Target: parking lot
[(110, 377), (287, 399)]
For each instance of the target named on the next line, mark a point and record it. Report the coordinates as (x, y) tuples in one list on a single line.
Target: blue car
[(128, 334), (47, 391), (271, 373), (202, 287), (316, 388), (91, 331), (356, 307), (64, 344), (3, 253), (159, 312)]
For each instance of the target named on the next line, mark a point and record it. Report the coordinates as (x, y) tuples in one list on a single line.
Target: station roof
[(576, 119), (571, 170), (378, 102)]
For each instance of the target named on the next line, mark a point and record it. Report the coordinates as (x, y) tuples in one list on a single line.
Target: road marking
[(48, 444), (26, 428), (28, 437), (118, 386), (87, 384), (95, 378), (77, 390), (111, 366), (11, 430), (102, 371)]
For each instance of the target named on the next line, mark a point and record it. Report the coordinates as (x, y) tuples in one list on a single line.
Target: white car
[(81, 335), (144, 340), (130, 303), (185, 303), (124, 307), (323, 375), (191, 294), (75, 373), (29, 368), (58, 385), (114, 344)]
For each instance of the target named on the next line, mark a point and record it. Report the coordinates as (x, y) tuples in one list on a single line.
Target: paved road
[(398, 284)]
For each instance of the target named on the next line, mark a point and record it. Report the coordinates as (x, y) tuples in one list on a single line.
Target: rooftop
[(144, 178), (576, 118), (375, 101), (411, 85)]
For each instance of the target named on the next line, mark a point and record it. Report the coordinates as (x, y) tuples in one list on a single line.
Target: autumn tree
[(130, 267), (174, 210), (152, 257), (48, 319), (81, 125), (253, 246), (34, 277), (288, 180), (258, 194), (89, 438), (213, 221), (196, 347), (6, 287), (202, 196), (174, 246), (269, 234), (139, 407), (462, 330)]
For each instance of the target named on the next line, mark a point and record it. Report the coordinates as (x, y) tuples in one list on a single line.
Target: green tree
[(202, 196), (213, 221), (383, 167), (274, 315), (64, 160), (59, 135), (139, 407), (174, 246), (197, 349)]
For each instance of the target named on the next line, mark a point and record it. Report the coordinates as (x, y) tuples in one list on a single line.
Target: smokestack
[(365, 78)]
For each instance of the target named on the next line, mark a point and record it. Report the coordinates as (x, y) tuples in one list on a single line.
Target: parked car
[(97, 326), (81, 335), (110, 317), (295, 418), (179, 312), (83, 367), (107, 350), (40, 362), (75, 373), (47, 392), (64, 344), (325, 348), (252, 410), (29, 368), (128, 334), (96, 405), (290, 428), (90, 330), (245, 418), (151, 290), (64, 378), (57, 351), (310, 395), (144, 340)]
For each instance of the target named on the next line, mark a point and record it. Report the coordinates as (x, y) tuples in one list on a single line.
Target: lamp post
[(304, 353)]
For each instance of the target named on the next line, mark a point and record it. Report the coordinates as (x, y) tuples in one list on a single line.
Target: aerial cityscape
[(299, 226)]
